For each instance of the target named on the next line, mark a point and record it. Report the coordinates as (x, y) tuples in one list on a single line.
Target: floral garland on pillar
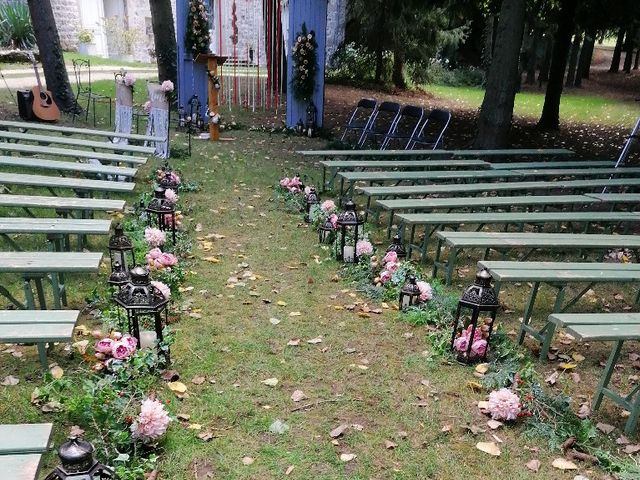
[(198, 27), (305, 64)]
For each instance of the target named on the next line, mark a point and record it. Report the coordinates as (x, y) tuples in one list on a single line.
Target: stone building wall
[(67, 17)]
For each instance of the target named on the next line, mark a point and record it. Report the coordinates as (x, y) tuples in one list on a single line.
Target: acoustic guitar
[(44, 108)]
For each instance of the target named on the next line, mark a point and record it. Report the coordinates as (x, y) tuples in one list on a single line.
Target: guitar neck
[(35, 69)]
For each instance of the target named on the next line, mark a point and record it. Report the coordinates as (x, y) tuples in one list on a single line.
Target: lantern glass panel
[(409, 294), (121, 249), (350, 225)]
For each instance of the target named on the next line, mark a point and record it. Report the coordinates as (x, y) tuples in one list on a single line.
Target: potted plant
[(86, 45)]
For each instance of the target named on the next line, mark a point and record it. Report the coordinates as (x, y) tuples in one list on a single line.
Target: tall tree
[(628, 49), (617, 52), (573, 60), (496, 112), (586, 53), (55, 72), (550, 118), (164, 37)]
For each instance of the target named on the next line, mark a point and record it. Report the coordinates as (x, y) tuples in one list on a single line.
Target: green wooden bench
[(129, 160), (63, 205), (35, 266), (565, 186), (435, 221), (606, 327), (25, 438), (485, 203), (52, 127), (386, 154), (16, 137), (527, 242), (558, 275), (397, 177), (335, 166), (73, 167), (39, 327), (20, 467), (553, 164), (57, 230), (80, 186)]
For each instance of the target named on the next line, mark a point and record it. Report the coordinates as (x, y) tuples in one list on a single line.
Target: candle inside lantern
[(349, 254), (148, 339), (406, 301)]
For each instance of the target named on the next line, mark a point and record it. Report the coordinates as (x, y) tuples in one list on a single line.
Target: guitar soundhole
[(45, 100)]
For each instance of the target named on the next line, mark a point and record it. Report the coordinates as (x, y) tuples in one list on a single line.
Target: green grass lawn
[(574, 107), (372, 373)]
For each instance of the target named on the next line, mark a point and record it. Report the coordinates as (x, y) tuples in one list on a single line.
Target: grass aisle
[(372, 373)]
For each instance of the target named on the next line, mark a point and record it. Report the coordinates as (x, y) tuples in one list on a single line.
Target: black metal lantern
[(409, 294), (471, 337), (77, 462), (194, 121), (310, 199), (119, 276), (142, 301), (121, 249), (168, 180), (300, 127), (326, 231), (312, 119), (349, 224), (397, 247), (162, 213), (182, 118)]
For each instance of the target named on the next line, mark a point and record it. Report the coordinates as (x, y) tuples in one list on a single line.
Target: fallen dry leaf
[(298, 395), (567, 365), (289, 470), (564, 464), (315, 341), (605, 428), (489, 447), (389, 445), (9, 380), (198, 380), (631, 449), (295, 314), (76, 431), (271, 382), (347, 457), (294, 342), (482, 368), (338, 431), (553, 378), (446, 428), (177, 387), (494, 424), (205, 436), (248, 460), (533, 465), (57, 372)]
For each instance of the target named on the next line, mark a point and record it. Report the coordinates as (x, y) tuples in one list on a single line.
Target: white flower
[(167, 86)]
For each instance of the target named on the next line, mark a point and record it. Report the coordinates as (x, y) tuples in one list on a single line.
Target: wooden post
[(212, 62)]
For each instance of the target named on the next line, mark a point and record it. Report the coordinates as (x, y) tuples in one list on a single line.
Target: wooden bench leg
[(42, 354), (451, 265), (524, 326), (606, 377)]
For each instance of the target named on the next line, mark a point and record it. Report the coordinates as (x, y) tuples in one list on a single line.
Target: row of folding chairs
[(388, 125)]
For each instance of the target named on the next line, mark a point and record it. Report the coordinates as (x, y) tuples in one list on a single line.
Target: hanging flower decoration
[(197, 27), (167, 86), (305, 64)]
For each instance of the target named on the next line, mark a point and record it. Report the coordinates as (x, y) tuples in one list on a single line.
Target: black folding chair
[(360, 118), (384, 121), (83, 90), (430, 136), (405, 129)]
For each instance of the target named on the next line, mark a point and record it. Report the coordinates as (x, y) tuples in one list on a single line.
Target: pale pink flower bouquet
[(115, 346), (475, 347), (152, 422), (159, 260)]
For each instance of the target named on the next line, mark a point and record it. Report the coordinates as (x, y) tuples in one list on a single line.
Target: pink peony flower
[(426, 292), (461, 343), (170, 196), (121, 350), (295, 182), (333, 218), (167, 86), (154, 236), (132, 342), (175, 178), (328, 206), (163, 288), (152, 422), (385, 276), (154, 254), (364, 247), (504, 404), (390, 257), (116, 335), (392, 267), (104, 346), (168, 259), (147, 106), (284, 182), (129, 79), (479, 347)]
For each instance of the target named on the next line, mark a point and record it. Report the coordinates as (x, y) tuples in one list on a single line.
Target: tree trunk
[(584, 62), (550, 118), (487, 40), (164, 37), (637, 60), (533, 58), (380, 45), (502, 80), (543, 75), (617, 51), (628, 49), (55, 72), (573, 60), (398, 68)]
